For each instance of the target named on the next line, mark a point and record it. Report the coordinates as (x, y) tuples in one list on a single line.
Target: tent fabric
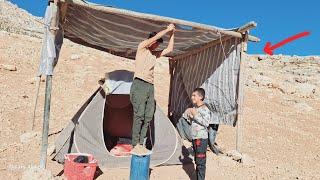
[(84, 134), (119, 81), (214, 68), (51, 45), (119, 34)]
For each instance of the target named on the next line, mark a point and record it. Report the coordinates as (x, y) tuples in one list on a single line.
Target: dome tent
[(86, 132)]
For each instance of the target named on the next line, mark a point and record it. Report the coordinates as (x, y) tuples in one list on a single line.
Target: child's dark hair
[(152, 34), (201, 91)]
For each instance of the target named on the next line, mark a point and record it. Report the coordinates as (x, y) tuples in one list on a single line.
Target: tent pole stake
[(46, 116)]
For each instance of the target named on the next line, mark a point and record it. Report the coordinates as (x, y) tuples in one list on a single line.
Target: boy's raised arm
[(170, 45), (148, 42)]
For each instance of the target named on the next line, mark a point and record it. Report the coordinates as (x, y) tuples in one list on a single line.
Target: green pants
[(142, 99)]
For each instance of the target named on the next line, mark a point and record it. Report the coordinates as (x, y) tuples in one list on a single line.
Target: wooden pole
[(172, 66), (241, 92), (247, 27), (46, 117)]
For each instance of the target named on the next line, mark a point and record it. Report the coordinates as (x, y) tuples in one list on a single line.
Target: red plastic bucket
[(79, 171)]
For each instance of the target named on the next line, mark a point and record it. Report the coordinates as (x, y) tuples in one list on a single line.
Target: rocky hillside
[(280, 127), (16, 20), (291, 75)]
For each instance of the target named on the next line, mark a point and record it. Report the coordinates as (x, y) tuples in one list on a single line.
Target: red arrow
[(268, 49)]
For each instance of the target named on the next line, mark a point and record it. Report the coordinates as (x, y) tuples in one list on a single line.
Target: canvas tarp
[(120, 31)]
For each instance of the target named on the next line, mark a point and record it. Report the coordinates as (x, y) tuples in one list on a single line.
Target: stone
[(246, 160), (288, 102), (302, 106), (37, 173), (305, 90), (34, 79), (262, 57), (234, 154), (287, 87), (226, 161), (8, 67), (252, 65), (75, 57), (28, 137), (262, 80)]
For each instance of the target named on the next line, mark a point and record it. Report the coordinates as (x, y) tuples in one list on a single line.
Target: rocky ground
[(280, 127), (16, 20)]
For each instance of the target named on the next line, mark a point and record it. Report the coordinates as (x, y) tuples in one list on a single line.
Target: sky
[(276, 19)]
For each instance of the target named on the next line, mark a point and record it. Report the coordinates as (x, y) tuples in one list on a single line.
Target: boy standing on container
[(142, 89), (199, 116)]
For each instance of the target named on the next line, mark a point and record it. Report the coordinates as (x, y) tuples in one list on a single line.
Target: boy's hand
[(191, 112), (171, 27)]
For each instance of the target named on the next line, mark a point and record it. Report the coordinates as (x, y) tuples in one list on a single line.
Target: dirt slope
[(281, 127)]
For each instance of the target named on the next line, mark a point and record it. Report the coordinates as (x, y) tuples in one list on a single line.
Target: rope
[(224, 53)]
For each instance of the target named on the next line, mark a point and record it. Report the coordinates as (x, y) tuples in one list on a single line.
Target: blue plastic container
[(139, 169)]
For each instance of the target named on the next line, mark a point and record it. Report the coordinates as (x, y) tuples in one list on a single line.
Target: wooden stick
[(124, 12), (36, 100)]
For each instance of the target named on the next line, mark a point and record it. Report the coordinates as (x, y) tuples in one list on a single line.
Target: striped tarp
[(120, 34), (214, 68)]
